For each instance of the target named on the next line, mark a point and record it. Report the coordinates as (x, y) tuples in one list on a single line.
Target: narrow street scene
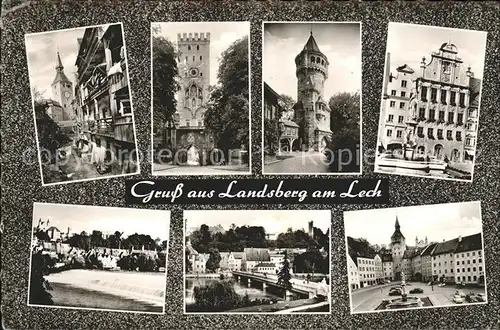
[(201, 114), (82, 106), (443, 266), (311, 124)]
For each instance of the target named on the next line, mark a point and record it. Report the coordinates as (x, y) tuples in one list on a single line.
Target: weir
[(146, 287)]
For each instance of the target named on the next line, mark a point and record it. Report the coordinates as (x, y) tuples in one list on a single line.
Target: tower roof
[(311, 44), (397, 236), (60, 76)]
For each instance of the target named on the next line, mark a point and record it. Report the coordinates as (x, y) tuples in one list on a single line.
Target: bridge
[(309, 289)]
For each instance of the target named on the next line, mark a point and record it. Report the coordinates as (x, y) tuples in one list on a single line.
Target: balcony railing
[(119, 79), (124, 129), (104, 126)]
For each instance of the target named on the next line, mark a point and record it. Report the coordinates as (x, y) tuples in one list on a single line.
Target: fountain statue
[(193, 157), (403, 287)]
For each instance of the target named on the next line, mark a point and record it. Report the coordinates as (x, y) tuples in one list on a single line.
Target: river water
[(240, 289)]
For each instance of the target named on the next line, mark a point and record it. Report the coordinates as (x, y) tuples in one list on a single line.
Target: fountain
[(406, 162), (404, 301)]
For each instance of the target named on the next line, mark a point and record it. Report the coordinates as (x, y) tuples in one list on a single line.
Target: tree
[(284, 275), (287, 103), (189, 266), (271, 135), (217, 296), (343, 146), (165, 83), (39, 286), (213, 262), (226, 117), (38, 94)]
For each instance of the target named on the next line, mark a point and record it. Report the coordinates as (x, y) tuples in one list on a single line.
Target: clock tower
[(62, 90)]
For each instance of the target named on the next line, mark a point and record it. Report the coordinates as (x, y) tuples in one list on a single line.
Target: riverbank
[(279, 307)]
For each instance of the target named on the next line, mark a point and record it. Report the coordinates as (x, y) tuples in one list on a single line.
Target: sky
[(105, 219), (339, 42), (438, 222), (42, 51), (222, 35), (274, 222), (408, 43)]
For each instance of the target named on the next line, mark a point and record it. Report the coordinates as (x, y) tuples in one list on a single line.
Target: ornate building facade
[(312, 113), (436, 105)]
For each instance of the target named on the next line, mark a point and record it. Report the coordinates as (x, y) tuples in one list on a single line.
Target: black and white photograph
[(311, 98), (430, 104), (415, 257), (200, 109), (257, 261), (81, 104), (101, 258)]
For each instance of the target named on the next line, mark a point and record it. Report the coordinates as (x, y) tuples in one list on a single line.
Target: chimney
[(459, 238)]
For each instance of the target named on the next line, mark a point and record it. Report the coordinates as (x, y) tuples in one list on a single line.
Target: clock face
[(67, 95), (193, 72)]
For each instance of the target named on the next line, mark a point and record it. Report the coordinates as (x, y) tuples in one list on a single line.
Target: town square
[(442, 266)]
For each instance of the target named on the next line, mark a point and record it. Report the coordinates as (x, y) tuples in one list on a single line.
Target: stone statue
[(193, 157)]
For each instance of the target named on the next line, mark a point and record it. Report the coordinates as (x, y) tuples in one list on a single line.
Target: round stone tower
[(311, 111)]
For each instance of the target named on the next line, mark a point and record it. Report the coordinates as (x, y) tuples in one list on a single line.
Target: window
[(430, 132), (312, 59), (468, 142), (433, 94), (193, 58), (480, 268), (420, 131), (421, 113), (389, 132), (423, 96), (459, 136), (393, 92), (125, 107), (440, 136), (201, 74), (453, 98), (460, 120), (186, 59), (462, 99), (197, 47), (403, 94), (189, 47), (468, 254), (403, 83), (450, 117), (188, 123), (391, 118), (443, 96), (392, 104), (401, 105), (441, 116), (399, 133), (401, 119), (473, 261), (458, 270), (449, 134), (473, 269), (432, 115)]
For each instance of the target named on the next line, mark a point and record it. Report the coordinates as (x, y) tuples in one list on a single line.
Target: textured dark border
[(21, 184)]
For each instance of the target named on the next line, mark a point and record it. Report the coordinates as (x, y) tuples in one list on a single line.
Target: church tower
[(311, 111), (398, 248), (62, 90)]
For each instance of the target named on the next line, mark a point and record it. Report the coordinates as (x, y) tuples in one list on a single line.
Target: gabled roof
[(53, 228), (405, 68), (445, 247), (238, 255), (266, 264), (289, 123), (428, 249), (470, 243), (386, 257)]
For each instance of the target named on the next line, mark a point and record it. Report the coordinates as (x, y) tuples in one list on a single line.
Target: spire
[(60, 76), (397, 223), (311, 44)]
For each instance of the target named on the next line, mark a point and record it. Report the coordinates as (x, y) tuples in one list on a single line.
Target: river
[(240, 289)]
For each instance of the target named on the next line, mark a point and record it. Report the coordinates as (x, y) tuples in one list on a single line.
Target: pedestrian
[(432, 286)]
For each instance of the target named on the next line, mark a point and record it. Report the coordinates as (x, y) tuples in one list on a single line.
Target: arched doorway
[(285, 145), (295, 145), (438, 151), (455, 155)]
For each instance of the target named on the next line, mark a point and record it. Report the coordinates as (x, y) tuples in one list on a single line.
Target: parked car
[(441, 285), (387, 281), (470, 298), (416, 290), (395, 292), (460, 293), (457, 299), (481, 297)]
